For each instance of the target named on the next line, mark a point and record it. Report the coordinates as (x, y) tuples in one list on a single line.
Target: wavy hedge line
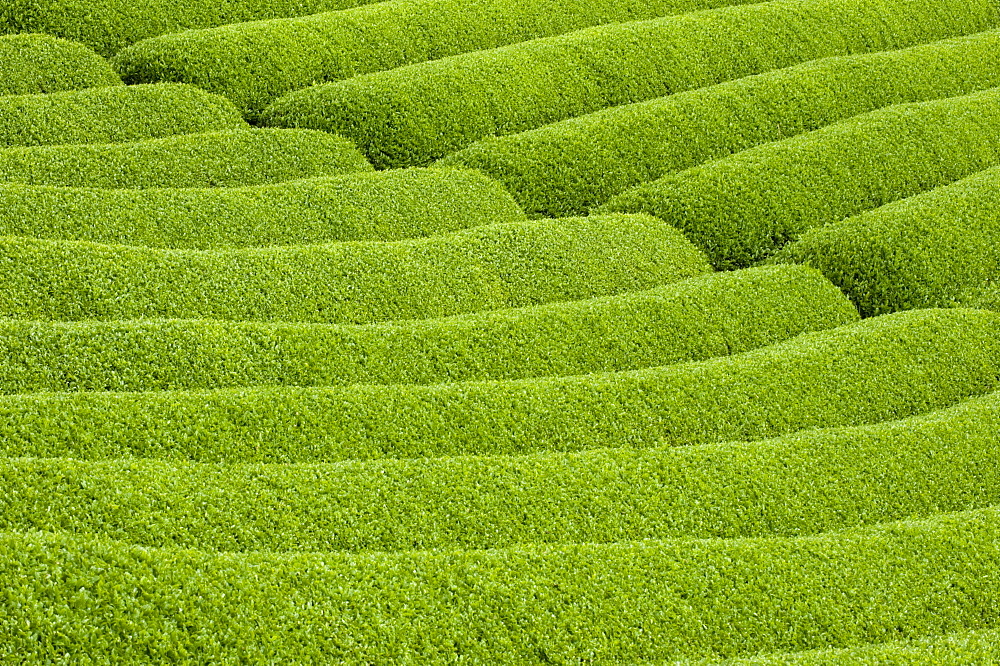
[(113, 114), (561, 604), (401, 118), (228, 158), (484, 268), (885, 368), (966, 647), (936, 249), (255, 63), (568, 167), (41, 64), (110, 25), (384, 206), (743, 208), (711, 315), (817, 481)]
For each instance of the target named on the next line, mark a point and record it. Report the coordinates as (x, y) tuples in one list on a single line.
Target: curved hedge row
[(702, 317), (488, 267), (227, 158), (255, 63), (936, 249), (741, 209), (885, 368), (113, 114), (570, 166), (385, 206), (402, 118), (817, 481), (110, 25), (41, 64), (557, 604)]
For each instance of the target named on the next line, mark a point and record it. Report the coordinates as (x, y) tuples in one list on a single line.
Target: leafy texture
[(41, 63)]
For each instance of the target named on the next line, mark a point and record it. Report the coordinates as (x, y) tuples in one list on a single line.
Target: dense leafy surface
[(41, 63), (400, 118), (741, 209), (712, 315), (113, 114), (212, 159), (390, 205), (568, 167)]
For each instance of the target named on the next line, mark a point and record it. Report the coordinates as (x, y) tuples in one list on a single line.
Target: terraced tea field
[(500, 332)]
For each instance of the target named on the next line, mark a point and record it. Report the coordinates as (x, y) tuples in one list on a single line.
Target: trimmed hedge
[(967, 647), (113, 114), (385, 206), (698, 318), (816, 481), (32, 64), (255, 63), (936, 249), (403, 117), (556, 604), (570, 166), (110, 25), (885, 368), (743, 208), (228, 158), (487, 267)]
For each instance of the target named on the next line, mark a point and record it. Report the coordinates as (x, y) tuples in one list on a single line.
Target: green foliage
[(110, 25), (883, 368), (415, 114), (743, 208), (41, 64), (698, 318), (212, 159), (936, 249), (568, 167), (816, 481), (255, 63), (531, 604), (486, 267), (388, 205), (113, 114)]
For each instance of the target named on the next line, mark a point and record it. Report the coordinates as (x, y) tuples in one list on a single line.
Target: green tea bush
[(255, 63), (816, 481), (568, 167), (558, 603), (711, 315), (389, 205), (743, 208), (883, 368), (936, 249), (483, 268), (110, 25), (403, 117), (227, 158), (113, 114), (41, 64)]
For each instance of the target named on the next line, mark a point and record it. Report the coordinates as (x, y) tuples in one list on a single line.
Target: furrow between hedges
[(228, 158), (648, 600), (113, 114), (31, 64), (884, 368), (567, 167), (415, 114), (813, 482), (384, 206), (702, 317), (255, 63), (743, 208), (484, 268)]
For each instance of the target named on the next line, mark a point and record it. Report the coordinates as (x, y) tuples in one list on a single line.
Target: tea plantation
[(500, 332)]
